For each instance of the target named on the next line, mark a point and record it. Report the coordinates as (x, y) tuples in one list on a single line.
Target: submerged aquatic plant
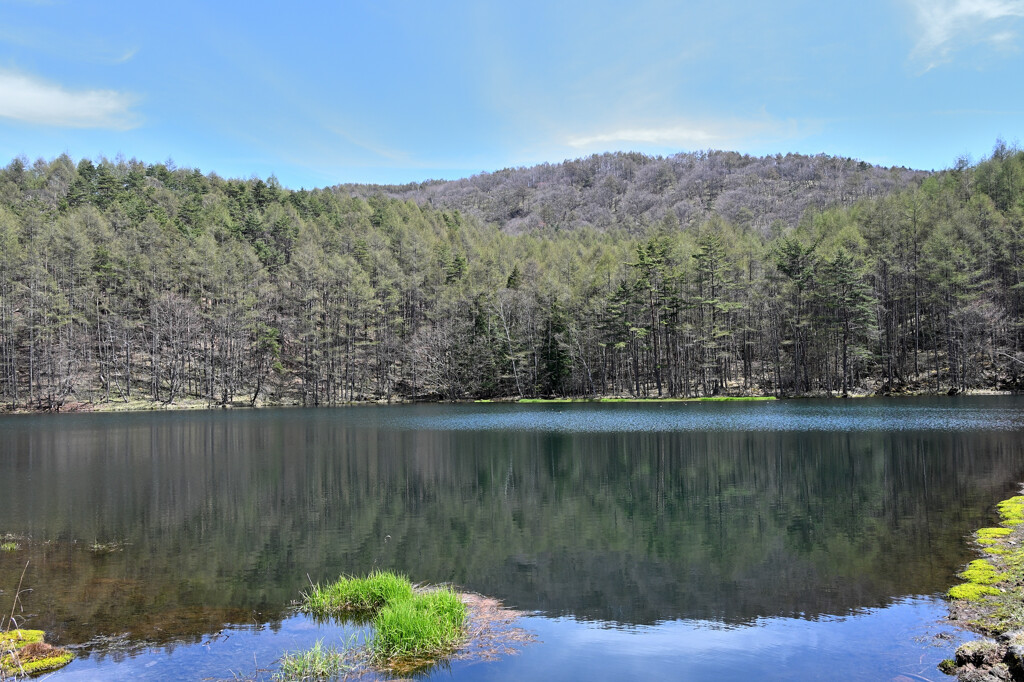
[(99, 548)]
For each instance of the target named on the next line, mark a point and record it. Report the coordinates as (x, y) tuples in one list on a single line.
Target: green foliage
[(408, 624), (1012, 510), (425, 626), (990, 536), (981, 572), (16, 638), (357, 594), (41, 665), (25, 652), (996, 583), (317, 663), (971, 591)]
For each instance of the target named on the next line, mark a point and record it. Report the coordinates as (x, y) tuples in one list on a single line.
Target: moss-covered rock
[(15, 639), (991, 601), (971, 591), (1012, 511), (980, 652), (991, 536), (23, 652)]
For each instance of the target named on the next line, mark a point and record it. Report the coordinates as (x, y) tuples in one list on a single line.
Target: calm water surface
[(803, 539)]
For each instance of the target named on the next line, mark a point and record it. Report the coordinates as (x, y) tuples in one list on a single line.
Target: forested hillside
[(124, 281), (632, 192)]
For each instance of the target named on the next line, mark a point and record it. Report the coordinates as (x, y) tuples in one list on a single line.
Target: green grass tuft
[(357, 594), (428, 625), (409, 625), (318, 663), (9, 546)]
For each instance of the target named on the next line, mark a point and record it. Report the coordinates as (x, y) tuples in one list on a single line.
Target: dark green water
[(732, 536)]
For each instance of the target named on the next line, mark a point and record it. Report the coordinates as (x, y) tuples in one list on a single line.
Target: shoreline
[(989, 602), (114, 406)]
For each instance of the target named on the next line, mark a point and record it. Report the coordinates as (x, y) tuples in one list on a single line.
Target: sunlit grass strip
[(318, 663), (991, 536), (1012, 511), (971, 591), (351, 594), (981, 572), (995, 585), (408, 624), (991, 598)]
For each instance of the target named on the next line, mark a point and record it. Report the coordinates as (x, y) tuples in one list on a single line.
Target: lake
[(749, 540)]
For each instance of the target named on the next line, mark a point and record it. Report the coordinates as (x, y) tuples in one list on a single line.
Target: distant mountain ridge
[(632, 191)]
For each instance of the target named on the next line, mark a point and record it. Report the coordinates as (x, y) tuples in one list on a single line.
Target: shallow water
[(699, 540)]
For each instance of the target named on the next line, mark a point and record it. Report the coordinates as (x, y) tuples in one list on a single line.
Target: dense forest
[(633, 191), (620, 274)]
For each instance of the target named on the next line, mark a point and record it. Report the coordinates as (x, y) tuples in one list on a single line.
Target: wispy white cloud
[(689, 134), (126, 56), (947, 25), (683, 136), (29, 99), (79, 48), (379, 151)]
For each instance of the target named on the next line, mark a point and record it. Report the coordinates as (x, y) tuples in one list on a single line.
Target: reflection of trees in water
[(226, 514)]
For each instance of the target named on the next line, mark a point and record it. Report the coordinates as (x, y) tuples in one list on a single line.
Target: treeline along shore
[(709, 274)]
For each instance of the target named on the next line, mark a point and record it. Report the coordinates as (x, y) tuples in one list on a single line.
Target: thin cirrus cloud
[(947, 25), (692, 135), (31, 100), (672, 135)]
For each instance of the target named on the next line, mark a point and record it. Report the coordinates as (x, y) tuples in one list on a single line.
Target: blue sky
[(322, 93)]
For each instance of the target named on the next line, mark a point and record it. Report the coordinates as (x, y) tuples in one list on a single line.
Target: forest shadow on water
[(169, 527)]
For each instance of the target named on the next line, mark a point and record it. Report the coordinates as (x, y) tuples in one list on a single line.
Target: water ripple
[(684, 417)]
